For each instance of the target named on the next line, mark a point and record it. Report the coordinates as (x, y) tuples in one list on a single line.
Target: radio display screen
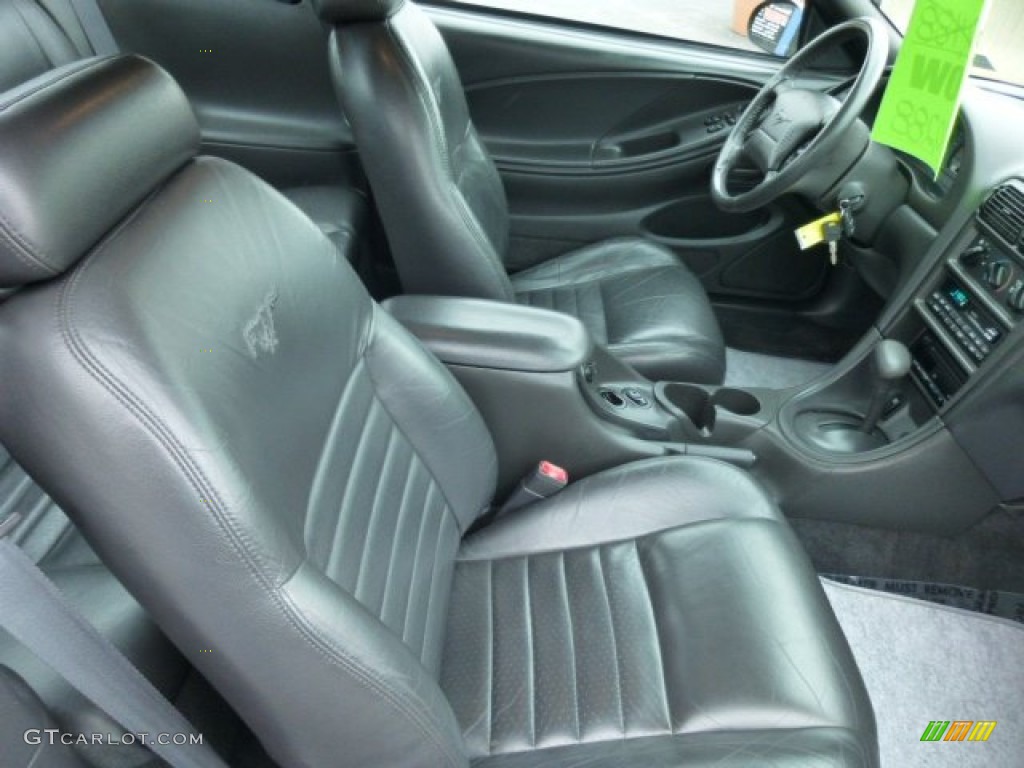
[(968, 316), (959, 296)]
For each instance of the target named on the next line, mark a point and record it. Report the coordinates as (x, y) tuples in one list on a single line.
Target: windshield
[(1000, 56)]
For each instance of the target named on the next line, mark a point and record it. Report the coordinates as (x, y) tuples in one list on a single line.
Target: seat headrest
[(354, 11), (80, 147)]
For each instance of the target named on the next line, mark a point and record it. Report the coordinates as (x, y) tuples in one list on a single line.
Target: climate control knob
[(998, 273), (974, 254), (1016, 298)]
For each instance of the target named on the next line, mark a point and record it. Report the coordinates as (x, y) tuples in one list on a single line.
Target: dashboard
[(984, 152), (959, 299), (951, 169)]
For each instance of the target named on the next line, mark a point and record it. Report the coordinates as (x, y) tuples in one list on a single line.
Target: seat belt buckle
[(544, 481)]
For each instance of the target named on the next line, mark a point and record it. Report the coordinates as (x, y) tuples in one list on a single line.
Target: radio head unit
[(973, 305)]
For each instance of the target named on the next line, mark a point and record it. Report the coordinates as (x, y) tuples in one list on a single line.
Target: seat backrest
[(268, 462), (438, 191), (36, 36)]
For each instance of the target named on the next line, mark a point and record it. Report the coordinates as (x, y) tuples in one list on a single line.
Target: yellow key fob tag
[(813, 234)]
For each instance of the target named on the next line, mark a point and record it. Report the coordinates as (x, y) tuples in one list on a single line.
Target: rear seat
[(38, 35), (49, 538), (35, 36), (22, 712)]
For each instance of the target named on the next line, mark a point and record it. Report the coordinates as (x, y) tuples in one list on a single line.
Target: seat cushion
[(659, 614), (638, 299)]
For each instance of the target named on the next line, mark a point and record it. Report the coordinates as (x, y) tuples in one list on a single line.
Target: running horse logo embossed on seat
[(260, 334)]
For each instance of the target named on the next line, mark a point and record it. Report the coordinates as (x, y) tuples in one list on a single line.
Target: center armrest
[(491, 334)]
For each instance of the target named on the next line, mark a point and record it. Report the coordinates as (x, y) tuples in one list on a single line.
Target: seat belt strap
[(38, 615), (95, 27)]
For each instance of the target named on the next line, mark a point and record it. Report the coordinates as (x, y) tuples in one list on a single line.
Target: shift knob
[(892, 360), (892, 363)]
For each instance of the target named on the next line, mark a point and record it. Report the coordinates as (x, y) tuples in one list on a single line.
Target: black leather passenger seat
[(669, 637), (293, 509), (37, 36)]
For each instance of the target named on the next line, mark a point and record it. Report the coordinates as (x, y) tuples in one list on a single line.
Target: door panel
[(617, 121), (256, 73), (601, 135)]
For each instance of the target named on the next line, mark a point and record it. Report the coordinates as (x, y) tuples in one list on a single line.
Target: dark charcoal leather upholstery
[(145, 133), (692, 614), (46, 535), (97, 595), (31, 43), (21, 712), (340, 212), (486, 334), (633, 298), (446, 216), (40, 35), (285, 478), (439, 194)]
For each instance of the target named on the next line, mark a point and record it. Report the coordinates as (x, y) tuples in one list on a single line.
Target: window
[(1000, 55), (714, 22)]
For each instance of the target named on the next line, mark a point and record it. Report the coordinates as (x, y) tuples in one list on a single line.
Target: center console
[(975, 302), (908, 430)]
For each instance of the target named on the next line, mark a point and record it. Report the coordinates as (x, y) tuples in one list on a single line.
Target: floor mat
[(783, 333), (924, 663), (989, 555), (749, 369), (1006, 605)]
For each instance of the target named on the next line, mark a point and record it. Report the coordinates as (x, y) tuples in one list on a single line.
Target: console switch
[(637, 397), (614, 399)]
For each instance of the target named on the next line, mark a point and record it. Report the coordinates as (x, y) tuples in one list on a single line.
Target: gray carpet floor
[(922, 662), (749, 369), (1006, 605)]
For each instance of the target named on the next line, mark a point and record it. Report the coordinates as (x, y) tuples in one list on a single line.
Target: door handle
[(637, 146)]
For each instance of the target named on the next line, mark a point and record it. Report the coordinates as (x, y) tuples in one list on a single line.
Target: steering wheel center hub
[(796, 117)]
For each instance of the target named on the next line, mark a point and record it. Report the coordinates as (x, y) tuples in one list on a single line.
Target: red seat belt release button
[(544, 481), (554, 473)]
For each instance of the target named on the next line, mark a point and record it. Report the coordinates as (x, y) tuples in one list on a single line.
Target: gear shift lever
[(892, 364)]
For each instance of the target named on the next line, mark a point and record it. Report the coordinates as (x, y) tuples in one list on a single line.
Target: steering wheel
[(787, 131)]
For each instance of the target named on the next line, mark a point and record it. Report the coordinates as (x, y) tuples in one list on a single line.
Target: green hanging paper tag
[(921, 104)]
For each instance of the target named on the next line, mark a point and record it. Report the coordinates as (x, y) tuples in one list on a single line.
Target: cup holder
[(697, 406), (689, 401), (736, 401)]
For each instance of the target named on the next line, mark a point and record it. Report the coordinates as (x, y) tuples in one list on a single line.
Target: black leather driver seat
[(284, 477), (446, 217)]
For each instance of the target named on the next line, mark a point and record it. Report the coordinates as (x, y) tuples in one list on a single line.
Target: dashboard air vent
[(1004, 212)]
